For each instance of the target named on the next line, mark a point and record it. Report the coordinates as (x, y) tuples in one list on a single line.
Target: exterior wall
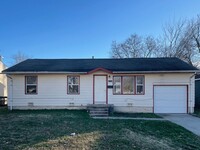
[(52, 92), (197, 94), (144, 103), (3, 81)]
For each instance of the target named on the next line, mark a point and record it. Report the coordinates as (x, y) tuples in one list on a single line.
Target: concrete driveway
[(187, 121)]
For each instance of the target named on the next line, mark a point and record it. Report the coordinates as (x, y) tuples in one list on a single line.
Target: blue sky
[(82, 28)]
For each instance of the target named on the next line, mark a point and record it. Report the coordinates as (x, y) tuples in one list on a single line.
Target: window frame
[(26, 93), (134, 84), (74, 84), (120, 85)]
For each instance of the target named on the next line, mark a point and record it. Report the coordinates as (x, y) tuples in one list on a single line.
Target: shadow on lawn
[(51, 129)]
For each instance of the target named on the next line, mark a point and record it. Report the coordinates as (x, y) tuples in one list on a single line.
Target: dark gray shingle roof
[(86, 65)]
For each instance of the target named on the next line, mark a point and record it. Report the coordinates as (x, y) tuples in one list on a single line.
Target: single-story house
[(159, 85)]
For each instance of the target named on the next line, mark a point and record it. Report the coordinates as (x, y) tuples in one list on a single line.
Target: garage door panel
[(168, 102), (170, 99)]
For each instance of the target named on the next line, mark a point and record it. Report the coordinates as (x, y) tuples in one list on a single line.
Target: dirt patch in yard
[(79, 141), (147, 142)]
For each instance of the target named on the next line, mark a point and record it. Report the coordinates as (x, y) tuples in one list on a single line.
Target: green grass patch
[(136, 115), (51, 129)]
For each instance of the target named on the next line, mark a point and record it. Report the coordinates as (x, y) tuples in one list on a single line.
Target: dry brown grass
[(80, 141), (148, 142)]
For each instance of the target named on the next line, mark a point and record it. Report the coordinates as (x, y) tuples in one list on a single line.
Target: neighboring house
[(197, 91), (3, 80), (159, 85)]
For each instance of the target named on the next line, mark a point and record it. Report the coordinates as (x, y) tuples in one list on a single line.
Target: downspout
[(191, 91), (11, 99)]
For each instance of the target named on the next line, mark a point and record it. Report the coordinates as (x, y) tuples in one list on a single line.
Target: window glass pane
[(73, 80), (140, 89), (31, 80), (117, 85), (128, 83), (69, 81), (73, 85), (31, 89), (73, 89), (140, 79)]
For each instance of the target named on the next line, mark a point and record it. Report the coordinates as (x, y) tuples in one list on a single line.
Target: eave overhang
[(150, 72), (101, 69)]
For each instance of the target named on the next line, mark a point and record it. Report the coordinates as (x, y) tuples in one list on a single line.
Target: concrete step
[(99, 105), (98, 112), (95, 113), (98, 109), (98, 115)]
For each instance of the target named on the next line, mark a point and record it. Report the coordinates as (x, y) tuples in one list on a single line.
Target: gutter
[(43, 72), (114, 72), (175, 71), (11, 98)]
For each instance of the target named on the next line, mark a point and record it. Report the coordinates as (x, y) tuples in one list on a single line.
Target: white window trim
[(120, 84), (138, 84), (72, 84), (28, 84)]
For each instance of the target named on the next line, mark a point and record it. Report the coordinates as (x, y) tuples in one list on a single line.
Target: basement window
[(73, 85), (31, 84)]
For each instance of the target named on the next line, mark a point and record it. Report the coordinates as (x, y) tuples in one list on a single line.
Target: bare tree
[(172, 35), (19, 57), (179, 39), (133, 47), (195, 26), (151, 47)]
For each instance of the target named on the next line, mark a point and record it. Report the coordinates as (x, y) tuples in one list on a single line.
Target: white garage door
[(170, 99)]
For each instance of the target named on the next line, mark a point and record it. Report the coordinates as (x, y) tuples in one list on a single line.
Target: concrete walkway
[(129, 118), (187, 121)]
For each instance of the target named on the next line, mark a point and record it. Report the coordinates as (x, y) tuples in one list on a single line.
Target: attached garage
[(170, 99)]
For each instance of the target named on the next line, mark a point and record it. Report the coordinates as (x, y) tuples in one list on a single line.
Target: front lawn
[(51, 129)]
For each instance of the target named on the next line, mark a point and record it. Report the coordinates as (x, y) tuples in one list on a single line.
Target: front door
[(100, 92)]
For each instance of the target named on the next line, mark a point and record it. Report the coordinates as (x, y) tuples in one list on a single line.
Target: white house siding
[(144, 103), (52, 92), (3, 80)]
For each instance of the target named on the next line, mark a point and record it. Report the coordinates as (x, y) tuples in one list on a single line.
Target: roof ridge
[(101, 58)]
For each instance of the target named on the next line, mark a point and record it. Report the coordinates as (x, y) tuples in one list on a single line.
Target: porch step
[(99, 115), (99, 110)]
